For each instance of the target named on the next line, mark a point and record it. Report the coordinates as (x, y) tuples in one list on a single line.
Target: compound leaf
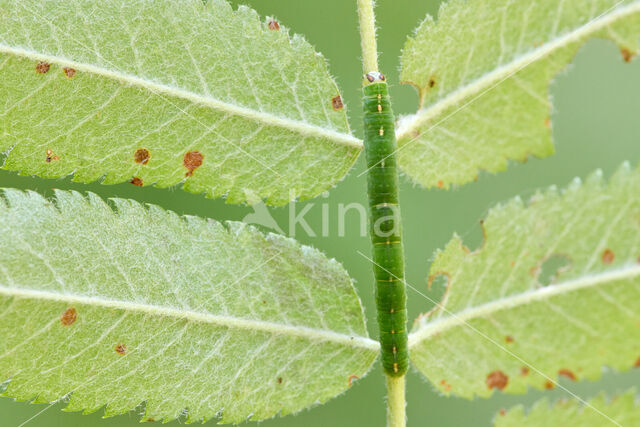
[(483, 71), (553, 291), (620, 410), (163, 93), (191, 316)]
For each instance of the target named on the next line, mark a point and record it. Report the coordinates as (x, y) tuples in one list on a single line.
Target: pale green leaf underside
[(483, 72), (623, 410), (497, 316), (171, 77), (215, 318)]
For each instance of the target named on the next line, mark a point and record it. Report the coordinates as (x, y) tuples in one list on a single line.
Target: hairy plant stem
[(368, 35), (385, 221), (395, 401)]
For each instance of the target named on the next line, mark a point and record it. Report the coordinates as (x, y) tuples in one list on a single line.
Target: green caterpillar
[(386, 235)]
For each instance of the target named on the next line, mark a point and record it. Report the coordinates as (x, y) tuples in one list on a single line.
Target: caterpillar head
[(374, 77)]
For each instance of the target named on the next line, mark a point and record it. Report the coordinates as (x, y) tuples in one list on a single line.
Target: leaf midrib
[(196, 316), (303, 128), (409, 123), (456, 319)]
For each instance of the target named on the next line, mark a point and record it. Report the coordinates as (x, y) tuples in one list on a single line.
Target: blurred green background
[(595, 120)]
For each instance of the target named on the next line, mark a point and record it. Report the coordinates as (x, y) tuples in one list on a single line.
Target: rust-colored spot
[(549, 385), (547, 122), (51, 157), (150, 420), (279, 380), (69, 317), (568, 374), (447, 386), (432, 82), (336, 103), (524, 371), (627, 55), (142, 155), (352, 378), (138, 182), (509, 339), (637, 364), (440, 184), (121, 349), (608, 256), (503, 412), (274, 25), (69, 72), (42, 67), (512, 263), (192, 161), (497, 379)]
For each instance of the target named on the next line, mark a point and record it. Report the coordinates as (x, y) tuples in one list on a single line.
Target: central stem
[(385, 222)]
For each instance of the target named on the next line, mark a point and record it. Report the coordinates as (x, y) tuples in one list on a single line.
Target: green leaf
[(483, 72), (190, 315), (87, 84), (553, 291), (622, 410)]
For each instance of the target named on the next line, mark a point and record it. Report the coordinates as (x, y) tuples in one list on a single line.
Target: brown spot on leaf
[(549, 385), (568, 374), (69, 72), (121, 349), (336, 103), (352, 378), (138, 182), (150, 419), (279, 380), (42, 67), (524, 371), (69, 317), (274, 25), (51, 157), (608, 256), (503, 412), (509, 339), (440, 184), (497, 379), (192, 161), (142, 156), (637, 364), (547, 122), (627, 55)]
